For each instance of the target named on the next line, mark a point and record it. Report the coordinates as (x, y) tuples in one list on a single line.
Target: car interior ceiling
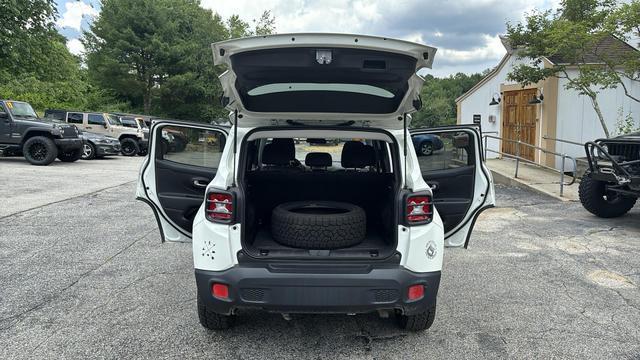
[(274, 176)]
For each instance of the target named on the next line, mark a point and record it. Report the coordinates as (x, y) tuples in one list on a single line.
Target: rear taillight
[(415, 292), (220, 291), (219, 207), (419, 209)]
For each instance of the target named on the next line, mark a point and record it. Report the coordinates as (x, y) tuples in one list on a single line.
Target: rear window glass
[(292, 87), (369, 155)]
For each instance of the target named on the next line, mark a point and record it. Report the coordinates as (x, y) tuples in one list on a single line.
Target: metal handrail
[(518, 159), (563, 141)]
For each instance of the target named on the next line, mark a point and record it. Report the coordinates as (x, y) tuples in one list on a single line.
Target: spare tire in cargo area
[(318, 224)]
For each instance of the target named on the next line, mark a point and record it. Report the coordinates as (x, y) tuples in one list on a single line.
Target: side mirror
[(105, 125), (4, 115)]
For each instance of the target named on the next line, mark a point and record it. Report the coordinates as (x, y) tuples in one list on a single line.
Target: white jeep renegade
[(315, 200)]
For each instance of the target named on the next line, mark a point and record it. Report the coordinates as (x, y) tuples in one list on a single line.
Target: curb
[(500, 178)]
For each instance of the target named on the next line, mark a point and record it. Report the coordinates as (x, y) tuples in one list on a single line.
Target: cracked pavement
[(88, 277)]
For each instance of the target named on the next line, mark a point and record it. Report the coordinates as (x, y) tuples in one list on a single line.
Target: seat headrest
[(318, 159), (357, 155), (279, 152)]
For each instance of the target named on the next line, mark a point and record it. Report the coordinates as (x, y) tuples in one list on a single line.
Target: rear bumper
[(143, 143), (318, 292), (69, 144)]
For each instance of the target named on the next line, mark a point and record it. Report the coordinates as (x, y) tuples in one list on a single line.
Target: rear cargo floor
[(372, 243)]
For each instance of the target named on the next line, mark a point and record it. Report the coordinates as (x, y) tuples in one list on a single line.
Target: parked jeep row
[(133, 140), (69, 135), (40, 141)]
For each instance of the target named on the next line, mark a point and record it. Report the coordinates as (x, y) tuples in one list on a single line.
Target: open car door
[(183, 159), (451, 163)]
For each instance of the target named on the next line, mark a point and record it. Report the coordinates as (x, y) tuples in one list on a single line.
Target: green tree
[(35, 64), (161, 62), (571, 34), (438, 99)]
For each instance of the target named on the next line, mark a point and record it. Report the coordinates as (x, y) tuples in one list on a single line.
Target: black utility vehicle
[(40, 141), (611, 186)]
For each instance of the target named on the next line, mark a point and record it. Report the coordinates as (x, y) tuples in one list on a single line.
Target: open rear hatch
[(322, 78)]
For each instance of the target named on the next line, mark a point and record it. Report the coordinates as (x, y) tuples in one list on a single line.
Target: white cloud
[(491, 50), (465, 32), (73, 14), (75, 46)]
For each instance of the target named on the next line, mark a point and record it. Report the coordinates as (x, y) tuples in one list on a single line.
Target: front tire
[(70, 156), (417, 322), (40, 150), (426, 148), (212, 320), (88, 151), (600, 202), (129, 147)]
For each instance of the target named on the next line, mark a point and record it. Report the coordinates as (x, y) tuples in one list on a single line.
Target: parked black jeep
[(611, 186), (40, 141)]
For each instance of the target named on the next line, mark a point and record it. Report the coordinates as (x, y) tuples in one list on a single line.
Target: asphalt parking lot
[(83, 275)]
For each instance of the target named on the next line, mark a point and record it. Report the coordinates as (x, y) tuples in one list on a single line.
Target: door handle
[(201, 184), (87, 127)]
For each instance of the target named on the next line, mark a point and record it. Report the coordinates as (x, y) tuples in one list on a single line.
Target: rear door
[(77, 119), (322, 78), (183, 159), (451, 163)]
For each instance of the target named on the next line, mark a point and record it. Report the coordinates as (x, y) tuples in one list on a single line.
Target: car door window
[(74, 118), (186, 160), (96, 119), (192, 146), (447, 164)]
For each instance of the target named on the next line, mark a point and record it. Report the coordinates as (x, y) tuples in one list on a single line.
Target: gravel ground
[(88, 277)]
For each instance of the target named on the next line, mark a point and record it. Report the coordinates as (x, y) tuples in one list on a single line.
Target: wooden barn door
[(519, 122)]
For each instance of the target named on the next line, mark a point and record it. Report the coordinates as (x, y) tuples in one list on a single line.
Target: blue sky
[(464, 31)]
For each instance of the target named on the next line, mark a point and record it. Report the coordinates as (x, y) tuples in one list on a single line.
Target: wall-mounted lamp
[(495, 99), (537, 99)]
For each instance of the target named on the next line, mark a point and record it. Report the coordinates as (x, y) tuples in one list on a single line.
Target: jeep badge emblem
[(431, 250)]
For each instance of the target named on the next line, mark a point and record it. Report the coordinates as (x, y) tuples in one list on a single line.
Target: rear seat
[(355, 184)]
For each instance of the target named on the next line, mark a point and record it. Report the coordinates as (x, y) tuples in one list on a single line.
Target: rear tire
[(40, 150), (600, 202), (212, 320), (70, 156), (129, 147), (417, 322)]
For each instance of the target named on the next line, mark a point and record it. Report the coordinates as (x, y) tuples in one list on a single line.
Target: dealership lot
[(83, 274)]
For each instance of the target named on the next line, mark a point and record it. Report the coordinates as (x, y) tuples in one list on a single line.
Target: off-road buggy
[(611, 186)]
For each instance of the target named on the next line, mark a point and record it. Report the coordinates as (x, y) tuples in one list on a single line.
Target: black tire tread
[(591, 194), (52, 150), (135, 145), (417, 322), (212, 320), (311, 231)]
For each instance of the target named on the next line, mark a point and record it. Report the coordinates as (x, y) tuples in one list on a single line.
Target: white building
[(562, 114)]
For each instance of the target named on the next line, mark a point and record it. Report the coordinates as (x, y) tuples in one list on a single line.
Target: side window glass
[(96, 119), (443, 151), (74, 118), (191, 146)]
